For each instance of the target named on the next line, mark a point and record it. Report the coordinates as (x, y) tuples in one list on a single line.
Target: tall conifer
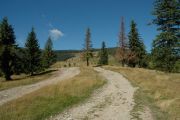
[(33, 53), (166, 46), (103, 60), (7, 42), (49, 56), (136, 46)]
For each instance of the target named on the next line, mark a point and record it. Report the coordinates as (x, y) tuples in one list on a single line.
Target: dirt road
[(13, 93), (112, 102)]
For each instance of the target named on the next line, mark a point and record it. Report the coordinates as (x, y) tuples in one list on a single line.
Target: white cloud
[(55, 34)]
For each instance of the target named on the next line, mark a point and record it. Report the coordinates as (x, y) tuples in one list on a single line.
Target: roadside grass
[(53, 99), (59, 64), (157, 90), (23, 79)]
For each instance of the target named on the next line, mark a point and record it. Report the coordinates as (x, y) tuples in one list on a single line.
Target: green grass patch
[(51, 100)]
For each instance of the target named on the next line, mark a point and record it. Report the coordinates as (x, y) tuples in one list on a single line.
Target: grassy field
[(52, 99), (18, 80), (157, 90)]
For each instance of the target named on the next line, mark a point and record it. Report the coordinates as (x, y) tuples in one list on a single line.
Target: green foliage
[(33, 54), (166, 46), (49, 56), (7, 36), (177, 66), (7, 42), (103, 60), (6, 63), (19, 60), (137, 48), (164, 55), (167, 13)]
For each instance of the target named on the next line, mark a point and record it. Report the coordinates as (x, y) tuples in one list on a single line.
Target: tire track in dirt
[(113, 101), (14, 93)]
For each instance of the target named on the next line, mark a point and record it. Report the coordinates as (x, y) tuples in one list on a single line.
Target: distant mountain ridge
[(63, 55)]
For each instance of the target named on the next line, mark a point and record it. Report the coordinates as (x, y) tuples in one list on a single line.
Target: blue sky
[(66, 20)]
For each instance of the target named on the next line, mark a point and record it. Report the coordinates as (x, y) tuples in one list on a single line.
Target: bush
[(177, 67)]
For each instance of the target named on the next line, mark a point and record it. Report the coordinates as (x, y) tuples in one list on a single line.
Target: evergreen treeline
[(165, 53), (16, 60)]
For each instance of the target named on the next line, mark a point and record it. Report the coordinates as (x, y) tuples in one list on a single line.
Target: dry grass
[(52, 99), (160, 91), (18, 80), (75, 62), (72, 62)]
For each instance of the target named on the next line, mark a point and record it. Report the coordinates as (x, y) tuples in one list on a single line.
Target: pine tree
[(19, 60), (88, 47), (33, 53), (49, 56), (103, 60), (7, 42), (121, 52), (7, 36), (137, 47), (166, 46)]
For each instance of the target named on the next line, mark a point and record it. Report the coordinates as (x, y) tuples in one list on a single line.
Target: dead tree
[(121, 54)]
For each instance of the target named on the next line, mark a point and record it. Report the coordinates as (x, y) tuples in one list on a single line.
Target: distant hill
[(63, 55)]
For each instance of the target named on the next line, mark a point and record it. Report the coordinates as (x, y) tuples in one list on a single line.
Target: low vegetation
[(103, 55), (52, 99), (157, 90)]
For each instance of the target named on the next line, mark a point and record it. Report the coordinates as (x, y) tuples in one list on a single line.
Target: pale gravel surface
[(113, 101), (14, 93)]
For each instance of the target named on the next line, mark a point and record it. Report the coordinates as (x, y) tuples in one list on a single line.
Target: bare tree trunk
[(32, 73), (121, 50), (8, 77), (87, 60)]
